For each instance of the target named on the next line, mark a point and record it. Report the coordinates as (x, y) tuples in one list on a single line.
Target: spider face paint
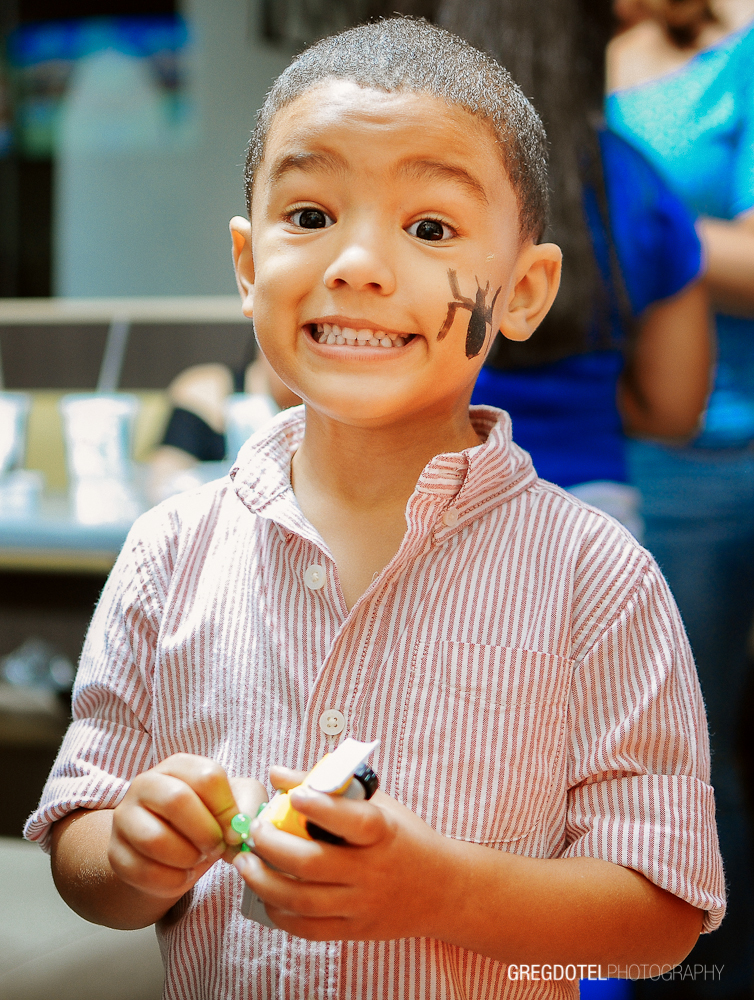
[(480, 318)]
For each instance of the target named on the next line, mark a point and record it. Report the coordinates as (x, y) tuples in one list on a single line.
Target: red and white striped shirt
[(520, 660)]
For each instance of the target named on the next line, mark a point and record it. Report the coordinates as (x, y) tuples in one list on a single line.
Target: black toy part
[(369, 782)]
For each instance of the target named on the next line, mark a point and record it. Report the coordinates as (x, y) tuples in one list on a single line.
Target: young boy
[(386, 565)]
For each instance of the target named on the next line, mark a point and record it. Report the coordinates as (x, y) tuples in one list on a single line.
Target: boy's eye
[(430, 229), (311, 218)]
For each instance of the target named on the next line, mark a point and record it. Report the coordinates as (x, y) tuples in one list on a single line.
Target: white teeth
[(330, 333)]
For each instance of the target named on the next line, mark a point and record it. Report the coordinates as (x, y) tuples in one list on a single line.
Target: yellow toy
[(342, 772)]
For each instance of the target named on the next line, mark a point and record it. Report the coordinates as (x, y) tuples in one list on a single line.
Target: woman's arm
[(730, 263), (664, 388)]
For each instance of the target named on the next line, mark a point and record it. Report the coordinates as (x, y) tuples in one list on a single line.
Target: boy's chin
[(362, 416), (382, 411), (363, 409)]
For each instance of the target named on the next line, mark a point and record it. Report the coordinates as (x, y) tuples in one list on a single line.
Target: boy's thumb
[(285, 778), (249, 795)]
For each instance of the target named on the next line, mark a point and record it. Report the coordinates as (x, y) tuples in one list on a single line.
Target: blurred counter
[(50, 537), (50, 348)]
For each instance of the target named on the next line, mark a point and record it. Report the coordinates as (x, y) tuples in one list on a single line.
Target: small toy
[(241, 823), (342, 772)]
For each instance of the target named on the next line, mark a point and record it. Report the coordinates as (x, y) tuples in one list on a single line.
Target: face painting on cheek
[(481, 314)]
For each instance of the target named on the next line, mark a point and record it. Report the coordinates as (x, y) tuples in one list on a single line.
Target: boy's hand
[(389, 881), (174, 823)]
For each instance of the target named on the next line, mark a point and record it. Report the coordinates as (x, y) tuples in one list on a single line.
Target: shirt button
[(315, 577), (332, 722), (450, 517)]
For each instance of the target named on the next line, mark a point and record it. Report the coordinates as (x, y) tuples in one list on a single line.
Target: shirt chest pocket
[(482, 738)]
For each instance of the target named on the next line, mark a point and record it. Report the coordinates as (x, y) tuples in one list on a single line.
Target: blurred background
[(116, 131)]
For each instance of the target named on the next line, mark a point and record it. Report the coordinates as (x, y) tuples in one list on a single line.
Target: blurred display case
[(51, 349)]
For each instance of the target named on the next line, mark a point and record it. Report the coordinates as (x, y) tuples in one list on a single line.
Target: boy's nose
[(361, 267)]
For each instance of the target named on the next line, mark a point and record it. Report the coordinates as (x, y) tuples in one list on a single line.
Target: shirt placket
[(309, 970), (330, 710)]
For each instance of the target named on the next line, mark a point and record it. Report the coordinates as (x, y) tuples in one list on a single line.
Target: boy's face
[(385, 252)]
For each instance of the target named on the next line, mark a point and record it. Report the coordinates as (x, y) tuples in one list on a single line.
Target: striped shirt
[(520, 660)]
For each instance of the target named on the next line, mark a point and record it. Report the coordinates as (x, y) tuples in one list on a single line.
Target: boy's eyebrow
[(420, 169), (325, 162), (329, 161)]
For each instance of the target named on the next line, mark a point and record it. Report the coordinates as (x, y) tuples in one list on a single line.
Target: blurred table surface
[(49, 537)]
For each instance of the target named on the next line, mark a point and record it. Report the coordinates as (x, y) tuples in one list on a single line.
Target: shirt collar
[(469, 481)]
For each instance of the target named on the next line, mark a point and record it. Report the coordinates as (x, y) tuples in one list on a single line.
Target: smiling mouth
[(330, 334)]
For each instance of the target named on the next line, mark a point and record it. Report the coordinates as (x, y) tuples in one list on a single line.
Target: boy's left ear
[(243, 261), (536, 279)]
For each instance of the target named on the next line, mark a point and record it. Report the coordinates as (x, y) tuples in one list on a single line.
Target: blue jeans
[(698, 507)]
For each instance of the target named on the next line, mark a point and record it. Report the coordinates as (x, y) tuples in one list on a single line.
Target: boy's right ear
[(243, 262)]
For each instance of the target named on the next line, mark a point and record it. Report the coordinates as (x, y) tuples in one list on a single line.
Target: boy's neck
[(364, 470), (352, 484)]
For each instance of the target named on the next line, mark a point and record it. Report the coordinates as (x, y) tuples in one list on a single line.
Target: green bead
[(241, 823), (245, 847), (262, 808)]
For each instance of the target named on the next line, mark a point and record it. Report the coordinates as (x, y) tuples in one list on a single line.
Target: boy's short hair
[(412, 55)]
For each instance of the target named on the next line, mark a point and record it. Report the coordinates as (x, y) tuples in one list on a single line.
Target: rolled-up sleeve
[(109, 740), (639, 793)]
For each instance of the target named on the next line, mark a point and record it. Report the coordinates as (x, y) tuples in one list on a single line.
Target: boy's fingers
[(359, 823), (309, 899), (153, 835), (210, 782), (249, 794), (296, 856), (181, 807), (147, 874), (285, 778)]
